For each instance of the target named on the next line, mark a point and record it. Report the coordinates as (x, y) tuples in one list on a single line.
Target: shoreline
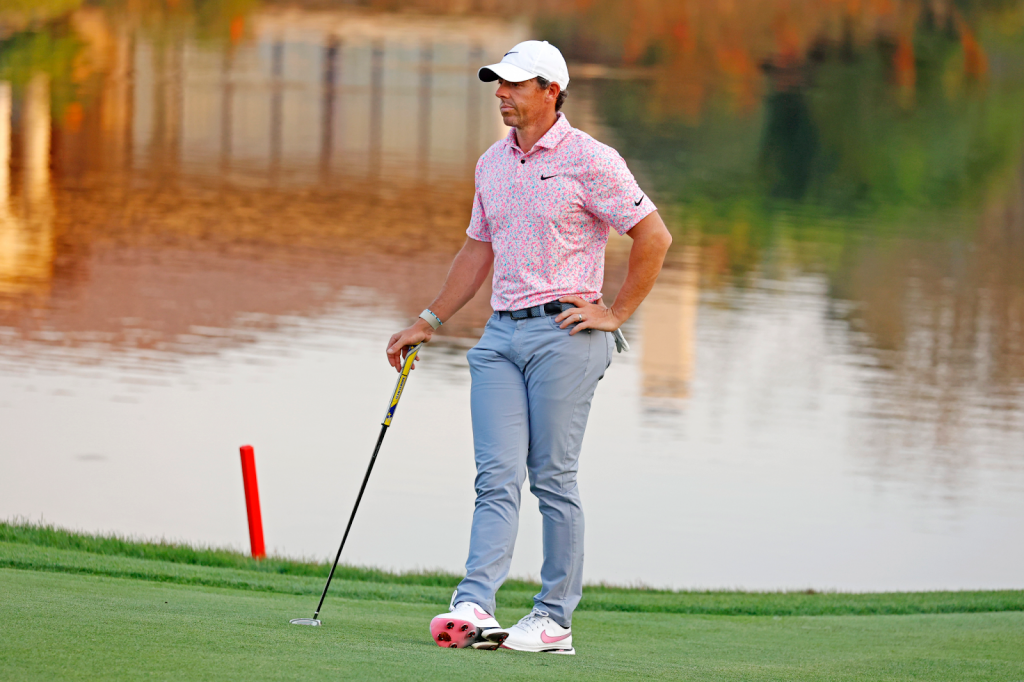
[(44, 547)]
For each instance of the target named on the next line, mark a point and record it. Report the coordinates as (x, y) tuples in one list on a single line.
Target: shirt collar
[(550, 139)]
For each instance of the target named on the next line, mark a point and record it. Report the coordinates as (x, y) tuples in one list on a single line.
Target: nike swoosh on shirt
[(544, 637), (543, 177), (637, 202)]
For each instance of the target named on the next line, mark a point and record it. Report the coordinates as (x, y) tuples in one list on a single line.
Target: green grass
[(46, 548), (77, 606), (60, 626), (46, 535)]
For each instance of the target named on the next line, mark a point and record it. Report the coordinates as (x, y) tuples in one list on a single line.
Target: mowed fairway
[(65, 626)]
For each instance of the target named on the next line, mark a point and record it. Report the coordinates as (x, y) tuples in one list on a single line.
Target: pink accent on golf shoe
[(452, 633), (544, 637), (481, 615)]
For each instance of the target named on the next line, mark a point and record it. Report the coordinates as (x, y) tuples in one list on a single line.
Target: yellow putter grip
[(401, 384)]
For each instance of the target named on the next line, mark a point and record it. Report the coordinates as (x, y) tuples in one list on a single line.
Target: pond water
[(212, 221)]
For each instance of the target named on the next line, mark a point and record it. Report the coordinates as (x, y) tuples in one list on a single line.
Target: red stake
[(252, 502)]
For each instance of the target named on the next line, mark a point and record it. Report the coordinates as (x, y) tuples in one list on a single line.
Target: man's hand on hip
[(587, 316), (400, 343), (651, 240)]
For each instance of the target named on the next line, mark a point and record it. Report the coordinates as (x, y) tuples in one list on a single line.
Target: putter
[(388, 416)]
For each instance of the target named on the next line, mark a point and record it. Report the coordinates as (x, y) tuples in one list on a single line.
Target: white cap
[(528, 60)]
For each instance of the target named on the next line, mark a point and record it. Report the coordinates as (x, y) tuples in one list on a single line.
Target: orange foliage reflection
[(699, 46)]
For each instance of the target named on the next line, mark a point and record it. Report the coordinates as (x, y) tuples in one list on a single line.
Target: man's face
[(524, 103)]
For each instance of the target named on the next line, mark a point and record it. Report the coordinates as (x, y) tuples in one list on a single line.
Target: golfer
[(546, 196)]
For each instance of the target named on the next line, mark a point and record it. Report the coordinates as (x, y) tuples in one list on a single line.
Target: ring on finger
[(580, 315)]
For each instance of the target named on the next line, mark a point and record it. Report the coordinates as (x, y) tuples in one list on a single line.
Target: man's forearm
[(467, 274), (651, 240)]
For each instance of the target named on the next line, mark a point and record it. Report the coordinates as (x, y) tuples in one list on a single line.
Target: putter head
[(305, 621)]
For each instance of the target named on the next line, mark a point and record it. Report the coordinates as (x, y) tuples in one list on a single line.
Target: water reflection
[(318, 98), (942, 324), (310, 102), (886, 155), (210, 218), (26, 218), (669, 326)]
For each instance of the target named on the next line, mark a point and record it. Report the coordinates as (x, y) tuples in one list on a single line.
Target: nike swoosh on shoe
[(481, 615), (551, 640)]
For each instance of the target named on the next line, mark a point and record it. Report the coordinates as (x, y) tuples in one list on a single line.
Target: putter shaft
[(359, 497), (388, 416)]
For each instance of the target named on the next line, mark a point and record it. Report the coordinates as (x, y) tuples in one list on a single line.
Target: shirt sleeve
[(479, 229), (612, 193)]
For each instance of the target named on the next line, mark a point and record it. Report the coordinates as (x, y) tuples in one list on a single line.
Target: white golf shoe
[(465, 625), (535, 632)]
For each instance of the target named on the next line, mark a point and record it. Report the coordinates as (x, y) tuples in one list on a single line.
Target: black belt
[(550, 308)]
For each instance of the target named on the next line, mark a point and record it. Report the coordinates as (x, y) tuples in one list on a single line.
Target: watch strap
[(433, 320)]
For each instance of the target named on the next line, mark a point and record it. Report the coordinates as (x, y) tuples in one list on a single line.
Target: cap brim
[(507, 72)]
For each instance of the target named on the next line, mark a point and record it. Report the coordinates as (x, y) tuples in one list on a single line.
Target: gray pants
[(532, 388)]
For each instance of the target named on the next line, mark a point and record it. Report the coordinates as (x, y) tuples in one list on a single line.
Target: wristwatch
[(433, 320)]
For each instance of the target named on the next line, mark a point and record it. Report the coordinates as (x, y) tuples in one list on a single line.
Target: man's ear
[(554, 89)]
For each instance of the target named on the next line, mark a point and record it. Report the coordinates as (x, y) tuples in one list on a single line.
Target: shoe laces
[(533, 619)]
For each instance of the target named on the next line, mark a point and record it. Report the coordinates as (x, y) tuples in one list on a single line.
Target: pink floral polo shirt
[(547, 214)]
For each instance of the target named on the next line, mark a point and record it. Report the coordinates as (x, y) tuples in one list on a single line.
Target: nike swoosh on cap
[(544, 637), (508, 53)]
